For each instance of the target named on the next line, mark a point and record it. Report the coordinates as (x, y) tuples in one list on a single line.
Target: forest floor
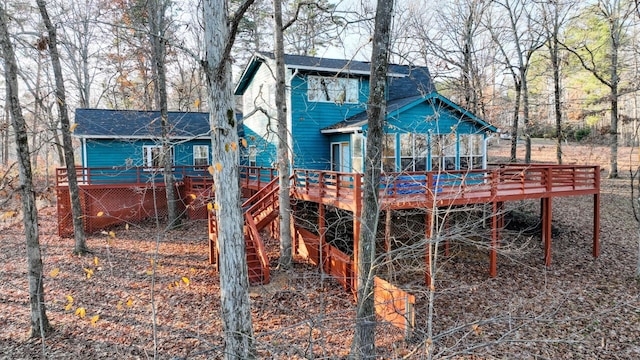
[(579, 308)]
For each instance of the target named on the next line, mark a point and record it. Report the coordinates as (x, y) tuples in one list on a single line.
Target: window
[(443, 152), (332, 89), (253, 155), (152, 156), (389, 153), (470, 152), (201, 155), (357, 157), (413, 152)]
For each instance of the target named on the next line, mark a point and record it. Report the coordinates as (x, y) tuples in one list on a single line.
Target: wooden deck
[(433, 190), (428, 189)]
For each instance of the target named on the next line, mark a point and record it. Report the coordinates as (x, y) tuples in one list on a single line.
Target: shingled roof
[(404, 80), (136, 124)]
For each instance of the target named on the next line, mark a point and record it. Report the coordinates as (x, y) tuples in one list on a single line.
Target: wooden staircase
[(261, 210)]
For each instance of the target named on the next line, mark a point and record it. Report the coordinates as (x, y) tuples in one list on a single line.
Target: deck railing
[(126, 175), (503, 180), (140, 175)]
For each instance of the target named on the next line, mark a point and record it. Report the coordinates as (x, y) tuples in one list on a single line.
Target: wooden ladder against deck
[(260, 210)]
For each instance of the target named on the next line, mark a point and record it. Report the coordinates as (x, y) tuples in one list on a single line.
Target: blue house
[(132, 139), (327, 119)]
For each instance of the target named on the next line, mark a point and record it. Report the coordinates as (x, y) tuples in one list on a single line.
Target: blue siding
[(110, 153), (311, 148)]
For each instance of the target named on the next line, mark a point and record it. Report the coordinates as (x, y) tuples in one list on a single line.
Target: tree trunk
[(80, 244), (234, 281), (363, 346), (515, 123), (615, 44), (157, 9), (556, 102), (525, 115), (283, 143), (39, 320)]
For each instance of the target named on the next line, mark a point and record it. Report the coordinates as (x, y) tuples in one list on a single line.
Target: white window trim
[(346, 100), (147, 157), (206, 155)]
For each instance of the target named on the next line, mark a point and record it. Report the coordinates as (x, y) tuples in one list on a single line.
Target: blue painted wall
[(311, 147), (110, 153)]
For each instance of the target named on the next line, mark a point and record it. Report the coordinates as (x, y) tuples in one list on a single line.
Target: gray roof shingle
[(105, 123)]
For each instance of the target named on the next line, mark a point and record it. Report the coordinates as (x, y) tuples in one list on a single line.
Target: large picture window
[(152, 156), (413, 152), (443, 152), (332, 89), (389, 153), (201, 155), (470, 152)]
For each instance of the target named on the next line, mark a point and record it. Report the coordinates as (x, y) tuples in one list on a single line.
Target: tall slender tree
[(283, 143), (39, 321), (80, 245), (363, 346), (158, 40), (220, 31), (616, 14)]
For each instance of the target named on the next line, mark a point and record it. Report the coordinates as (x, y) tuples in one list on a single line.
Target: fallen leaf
[(53, 273), (81, 312)]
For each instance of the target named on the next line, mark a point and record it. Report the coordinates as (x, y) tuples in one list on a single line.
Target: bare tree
[(455, 39), (363, 346), (220, 32), (158, 39), (283, 144), (517, 41), (80, 244), (616, 14), (39, 321), (554, 16)]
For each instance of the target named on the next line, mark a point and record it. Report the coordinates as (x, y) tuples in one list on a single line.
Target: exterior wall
[(259, 130), (110, 153), (311, 148)]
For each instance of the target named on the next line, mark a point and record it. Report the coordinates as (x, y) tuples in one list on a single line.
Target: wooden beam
[(429, 253), (493, 253), (546, 215), (596, 225)]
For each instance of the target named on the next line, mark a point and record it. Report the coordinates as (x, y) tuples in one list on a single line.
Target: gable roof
[(404, 80), (137, 124), (395, 107)]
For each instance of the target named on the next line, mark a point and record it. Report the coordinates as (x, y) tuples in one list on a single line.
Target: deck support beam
[(546, 216), (493, 253), (596, 225), (322, 228), (428, 221)]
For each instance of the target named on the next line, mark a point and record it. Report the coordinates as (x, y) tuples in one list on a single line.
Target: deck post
[(547, 212), (596, 214), (357, 213), (493, 255), (322, 228), (387, 233), (429, 253), (596, 225)]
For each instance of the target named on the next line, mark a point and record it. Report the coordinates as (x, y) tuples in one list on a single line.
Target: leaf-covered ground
[(580, 308)]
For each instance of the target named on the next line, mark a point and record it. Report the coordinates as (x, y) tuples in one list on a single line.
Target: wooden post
[(429, 253), (322, 228), (387, 235), (546, 229), (357, 213), (596, 225), (493, 254)]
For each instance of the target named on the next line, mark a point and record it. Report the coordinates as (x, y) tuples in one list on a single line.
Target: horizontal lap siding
[(421, 119), (311, 148), (109, 153)]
